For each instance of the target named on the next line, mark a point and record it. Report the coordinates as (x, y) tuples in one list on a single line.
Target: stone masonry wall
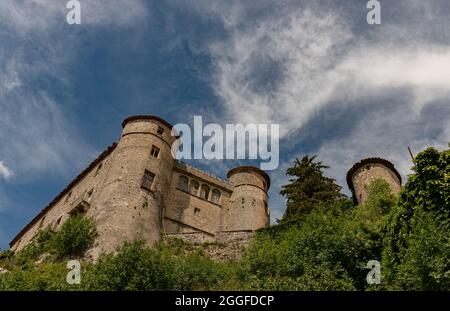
[(225, 246), (86, 189), (366, 174)]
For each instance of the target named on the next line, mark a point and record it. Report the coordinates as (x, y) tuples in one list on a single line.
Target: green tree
[(308, 188), (416, 243)]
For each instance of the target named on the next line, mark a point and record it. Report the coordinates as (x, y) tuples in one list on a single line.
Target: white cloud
[(286, 66), (318, 62), (5, 172), (300, 47)]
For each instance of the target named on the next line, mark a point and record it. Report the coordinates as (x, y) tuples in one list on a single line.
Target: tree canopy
[(308, 188)]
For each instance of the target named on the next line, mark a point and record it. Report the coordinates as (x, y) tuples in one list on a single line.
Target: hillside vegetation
[(323, 242)]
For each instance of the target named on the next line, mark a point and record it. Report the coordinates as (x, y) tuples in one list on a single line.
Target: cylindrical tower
[(364, 172), (248, 209), (129, 205)]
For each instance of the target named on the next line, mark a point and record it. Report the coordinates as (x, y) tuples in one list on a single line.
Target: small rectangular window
[(196, 211), (147, 180), (155, 152), (160, 130)]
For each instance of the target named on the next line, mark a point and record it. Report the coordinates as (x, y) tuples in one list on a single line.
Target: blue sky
[(338, 87)]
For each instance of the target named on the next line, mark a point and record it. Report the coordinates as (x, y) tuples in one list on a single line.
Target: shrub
[(47, 276), (136, 267), (75, 236)]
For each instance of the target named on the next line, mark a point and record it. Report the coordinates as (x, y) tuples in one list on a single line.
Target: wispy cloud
[(286, 70), (5, 172), (315, 70)]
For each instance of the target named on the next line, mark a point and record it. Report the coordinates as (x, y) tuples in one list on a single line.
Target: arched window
[(204, 193), (183, 183), (193, 189), (215, 196)]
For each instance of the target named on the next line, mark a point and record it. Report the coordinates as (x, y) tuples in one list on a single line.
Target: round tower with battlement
[(367, 170), (130, 204), (248, 209)]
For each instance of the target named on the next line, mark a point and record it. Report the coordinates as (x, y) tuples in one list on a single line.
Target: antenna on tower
[(410, 153)]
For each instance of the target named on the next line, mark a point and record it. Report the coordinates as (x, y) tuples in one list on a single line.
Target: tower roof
[(367, 161), (146, 117), (241, 169)]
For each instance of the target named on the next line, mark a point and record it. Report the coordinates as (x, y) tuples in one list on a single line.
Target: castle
[(136, 190)]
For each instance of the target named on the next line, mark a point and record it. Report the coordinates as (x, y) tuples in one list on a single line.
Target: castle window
[(196, 211), (155, 152), (57, 223), (215, 196), (183, 183), (160, 130), (147, 180), (204, 193), (193, 189), (77, 210)]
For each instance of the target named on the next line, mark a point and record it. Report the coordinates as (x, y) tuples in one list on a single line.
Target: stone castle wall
[(133, 192), (80, 196), (225, 246), (364, 175), (248, 205)]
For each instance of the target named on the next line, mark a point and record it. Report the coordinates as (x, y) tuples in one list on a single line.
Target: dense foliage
[(308, 188), (323, 246), (75, 236), (417, 240)]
